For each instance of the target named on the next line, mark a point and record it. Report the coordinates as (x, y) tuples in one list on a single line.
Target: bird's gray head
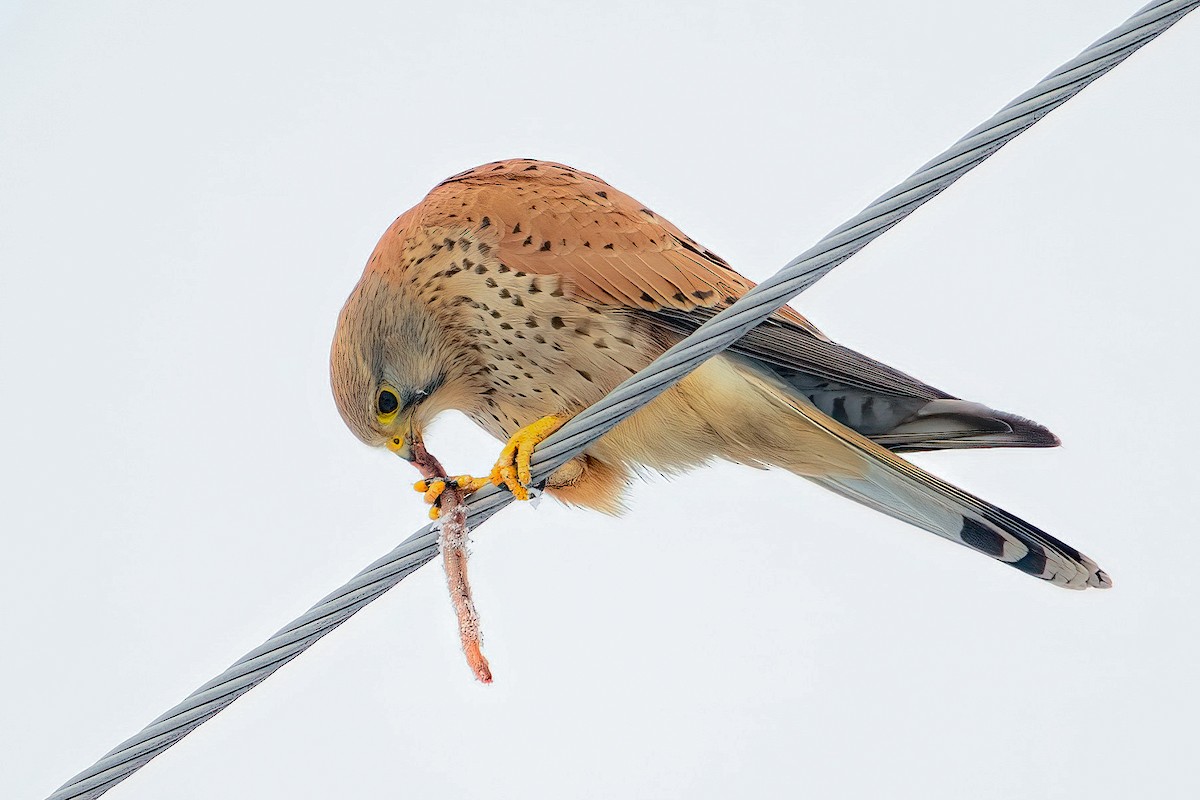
[(391, 367)]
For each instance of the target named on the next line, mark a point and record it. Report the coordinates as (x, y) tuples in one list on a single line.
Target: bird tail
[(886, 482)]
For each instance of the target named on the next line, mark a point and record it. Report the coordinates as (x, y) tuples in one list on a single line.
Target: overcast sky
[(188, 192)]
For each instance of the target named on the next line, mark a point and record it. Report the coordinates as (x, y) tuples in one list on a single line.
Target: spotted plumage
[(524, 289)]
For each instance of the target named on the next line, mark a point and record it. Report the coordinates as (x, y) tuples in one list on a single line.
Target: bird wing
[(610, 249), (791, 349), (552, 219)]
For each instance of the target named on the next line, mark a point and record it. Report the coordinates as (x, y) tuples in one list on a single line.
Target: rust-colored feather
[(550, 219)]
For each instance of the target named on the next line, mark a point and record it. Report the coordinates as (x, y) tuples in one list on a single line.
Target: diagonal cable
[(587, 426)]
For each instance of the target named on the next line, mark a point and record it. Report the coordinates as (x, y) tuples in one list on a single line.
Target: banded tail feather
[(889, 484)]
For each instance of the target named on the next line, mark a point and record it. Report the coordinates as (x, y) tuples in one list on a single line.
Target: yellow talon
[(432, 490), (468, 485), (512, 468)]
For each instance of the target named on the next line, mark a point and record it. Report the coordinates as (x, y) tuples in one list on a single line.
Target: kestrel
[(520, 292)]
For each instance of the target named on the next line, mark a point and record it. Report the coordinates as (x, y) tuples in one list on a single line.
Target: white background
[(188, 193)]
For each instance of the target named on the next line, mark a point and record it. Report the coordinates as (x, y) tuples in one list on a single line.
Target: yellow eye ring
[(387, 405)]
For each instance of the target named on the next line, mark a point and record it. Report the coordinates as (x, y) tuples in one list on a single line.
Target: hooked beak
[(402, 440)]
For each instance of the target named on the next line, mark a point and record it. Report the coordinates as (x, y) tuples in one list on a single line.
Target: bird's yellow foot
[(512, 468), (432, 490)]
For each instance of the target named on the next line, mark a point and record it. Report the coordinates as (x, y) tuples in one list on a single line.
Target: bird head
[(392, 367)]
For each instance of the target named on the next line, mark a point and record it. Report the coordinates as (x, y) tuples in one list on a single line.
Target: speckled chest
[(538, 350)]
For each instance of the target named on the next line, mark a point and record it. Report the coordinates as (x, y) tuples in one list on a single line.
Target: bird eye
[(387, 402)]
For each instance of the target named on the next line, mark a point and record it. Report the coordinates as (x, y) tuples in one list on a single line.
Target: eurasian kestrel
[(520, 292)]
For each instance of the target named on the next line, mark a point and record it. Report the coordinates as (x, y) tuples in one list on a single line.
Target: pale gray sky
[(189, 191)]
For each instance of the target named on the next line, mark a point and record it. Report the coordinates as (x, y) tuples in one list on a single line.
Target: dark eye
[(387, 402)]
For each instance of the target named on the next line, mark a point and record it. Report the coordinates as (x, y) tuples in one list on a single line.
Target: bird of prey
[(520, 292)]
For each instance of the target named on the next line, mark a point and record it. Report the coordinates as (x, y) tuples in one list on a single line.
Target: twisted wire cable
[(583, 429)]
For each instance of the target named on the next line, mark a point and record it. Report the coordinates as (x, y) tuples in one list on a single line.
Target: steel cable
[(712, 337)]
